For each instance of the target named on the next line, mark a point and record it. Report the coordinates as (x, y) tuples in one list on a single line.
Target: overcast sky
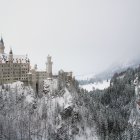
[(83, 36)]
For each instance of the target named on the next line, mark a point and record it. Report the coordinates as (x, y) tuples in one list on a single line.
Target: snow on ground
[(48, 105), (63, 101), (67, 98), (52, 83), (16, 85), (29, 98), (52, 101), (20, 88), (88, 135), (99, 85)]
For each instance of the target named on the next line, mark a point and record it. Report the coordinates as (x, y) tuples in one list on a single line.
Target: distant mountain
[(116, 67)]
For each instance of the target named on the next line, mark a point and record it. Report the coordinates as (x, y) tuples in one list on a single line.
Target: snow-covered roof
[(16, 58)]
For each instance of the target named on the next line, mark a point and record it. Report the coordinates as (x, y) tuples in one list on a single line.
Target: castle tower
[(11, 56), (49, 66), (1, 46)]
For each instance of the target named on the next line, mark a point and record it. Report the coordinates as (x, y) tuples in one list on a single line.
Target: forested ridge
[(111, 108)]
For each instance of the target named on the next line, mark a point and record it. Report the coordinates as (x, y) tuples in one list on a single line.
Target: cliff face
[(135, 113), (66, 119), (133, 128)]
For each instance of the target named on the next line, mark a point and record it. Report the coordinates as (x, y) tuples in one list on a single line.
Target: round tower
[(49, 66), (2, 47)]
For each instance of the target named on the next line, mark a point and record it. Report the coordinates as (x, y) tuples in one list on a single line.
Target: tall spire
[(11, 56), (2, 46), (2, 40)]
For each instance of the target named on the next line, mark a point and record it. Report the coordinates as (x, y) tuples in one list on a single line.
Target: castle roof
[(16, 58)]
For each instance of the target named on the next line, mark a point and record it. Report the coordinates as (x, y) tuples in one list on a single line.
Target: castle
[(17, 68)]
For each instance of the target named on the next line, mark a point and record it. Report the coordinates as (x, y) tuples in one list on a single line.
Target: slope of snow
[(90, 135), (63, 102), (48, 112), (19, 88), (99, 85), (51, 83), (29, 98)]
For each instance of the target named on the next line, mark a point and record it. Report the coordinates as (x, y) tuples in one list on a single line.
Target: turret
[(11, 56), (2, 47), (49, 66)]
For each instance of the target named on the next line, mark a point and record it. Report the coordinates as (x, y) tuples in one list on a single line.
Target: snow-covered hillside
[(54, 115), (65, 116), (116, 67), (21, 90), (98, 85)]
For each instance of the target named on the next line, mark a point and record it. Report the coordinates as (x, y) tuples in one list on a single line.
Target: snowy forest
[(69, 112)]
